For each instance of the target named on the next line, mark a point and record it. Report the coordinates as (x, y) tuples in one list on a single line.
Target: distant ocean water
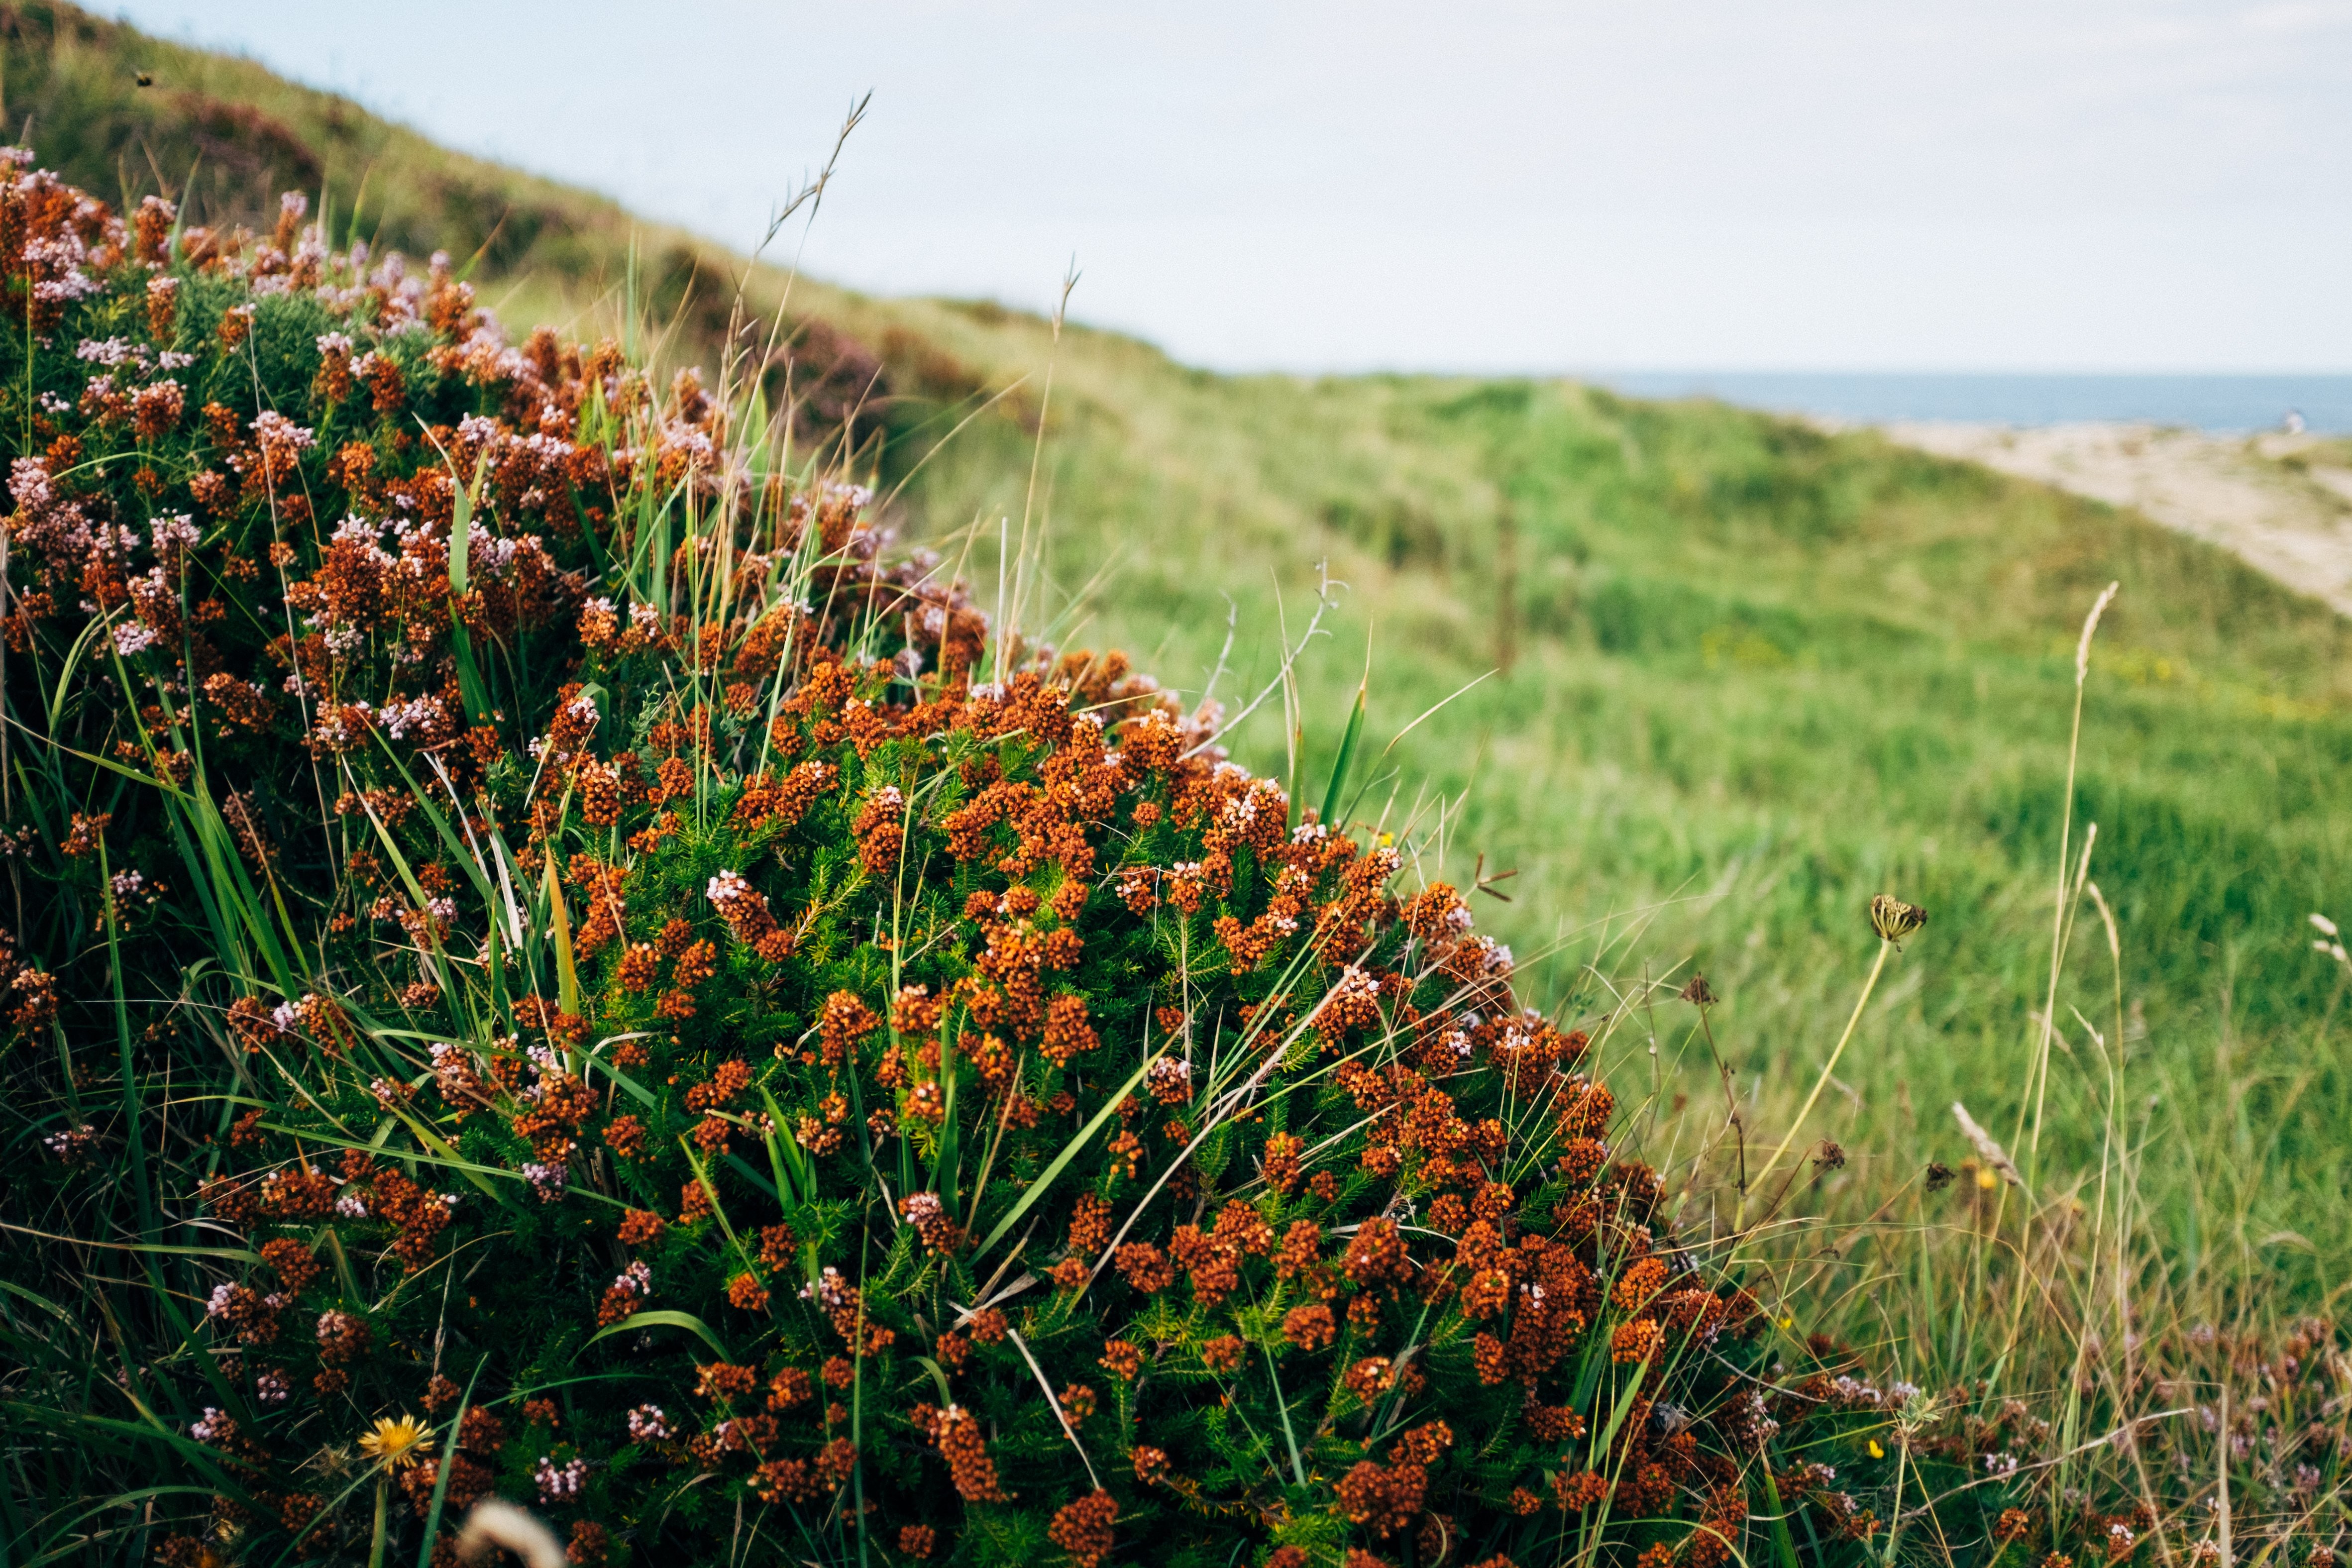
[(2218, 403)]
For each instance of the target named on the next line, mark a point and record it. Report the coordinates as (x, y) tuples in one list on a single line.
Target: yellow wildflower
[(398, 1444)]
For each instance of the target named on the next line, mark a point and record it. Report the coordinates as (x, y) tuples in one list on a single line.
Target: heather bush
[(553, 961)]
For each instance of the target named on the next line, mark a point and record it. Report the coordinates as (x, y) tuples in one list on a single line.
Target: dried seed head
[(1893, 920)]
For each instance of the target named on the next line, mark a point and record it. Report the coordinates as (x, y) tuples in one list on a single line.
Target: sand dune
[(2282, 502)]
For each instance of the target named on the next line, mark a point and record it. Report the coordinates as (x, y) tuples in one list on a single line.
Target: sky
[(1483, 185)]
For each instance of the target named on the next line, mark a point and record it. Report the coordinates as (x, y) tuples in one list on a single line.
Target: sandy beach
[(2283, 502)]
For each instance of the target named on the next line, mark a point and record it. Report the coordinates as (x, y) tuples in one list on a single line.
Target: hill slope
[(1747, 674)]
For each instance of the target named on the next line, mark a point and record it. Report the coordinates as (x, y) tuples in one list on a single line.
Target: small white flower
[(272, 429), (133, 637), (173, 535), (831, 1291), (560, 1484), (107, 351)]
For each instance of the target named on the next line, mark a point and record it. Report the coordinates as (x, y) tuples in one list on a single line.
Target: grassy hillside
[(1745, 675), (227, 136), (1754, 675)]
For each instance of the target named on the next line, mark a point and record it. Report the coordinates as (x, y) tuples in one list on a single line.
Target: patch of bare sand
[(2284, 503)]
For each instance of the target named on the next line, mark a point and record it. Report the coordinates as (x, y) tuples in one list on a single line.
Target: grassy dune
[(1744, 676), (1750, 675)]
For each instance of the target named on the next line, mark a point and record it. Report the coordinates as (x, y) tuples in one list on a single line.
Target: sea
[(2223, 404)]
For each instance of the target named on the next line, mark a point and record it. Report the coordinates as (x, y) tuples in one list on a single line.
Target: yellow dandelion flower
[(397, 1444)]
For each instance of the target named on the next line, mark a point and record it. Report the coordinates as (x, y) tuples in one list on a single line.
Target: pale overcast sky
[(1832, 185)]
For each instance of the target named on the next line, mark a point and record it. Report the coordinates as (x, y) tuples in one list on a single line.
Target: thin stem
[(2038, 1069), (1868, 986), (1895, 1512)]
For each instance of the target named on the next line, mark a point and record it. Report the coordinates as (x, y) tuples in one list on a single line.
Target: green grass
[(1755, 674)]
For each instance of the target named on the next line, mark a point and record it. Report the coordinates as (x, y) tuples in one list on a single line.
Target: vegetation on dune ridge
[(122, 114), (117, 111), (665, 1012)]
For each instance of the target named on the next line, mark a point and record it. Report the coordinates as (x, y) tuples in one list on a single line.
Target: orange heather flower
[(1369, 1378), (162, 303), (1639, 1282), (590, 1545), (639, 966), (1145, 1267), (1089, 1225), (1376, 1254), (696, 965), (789, 1389), (1383, 1498), (1083, 1528), (1578, 1492), (1310, 1327), (1223, 1353), (1638, 1340), (956, 1432), (626, 1135), (1300, 1250)]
